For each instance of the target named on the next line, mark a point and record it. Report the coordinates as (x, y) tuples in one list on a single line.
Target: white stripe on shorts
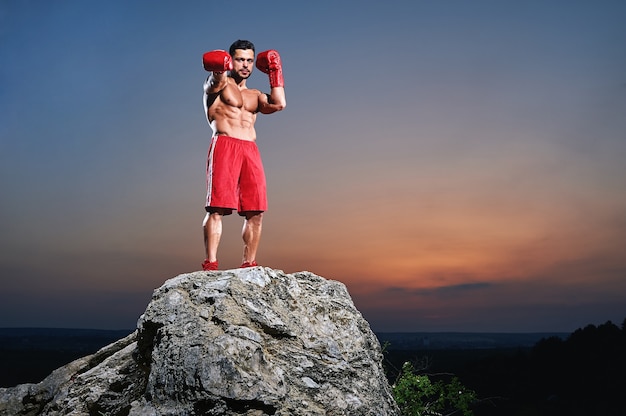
[(209, 174)]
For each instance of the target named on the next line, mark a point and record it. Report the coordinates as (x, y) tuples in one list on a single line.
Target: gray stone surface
[(253, 341)]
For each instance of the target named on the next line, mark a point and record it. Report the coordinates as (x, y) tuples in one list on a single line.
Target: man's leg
[(251, 235), (212, 226)]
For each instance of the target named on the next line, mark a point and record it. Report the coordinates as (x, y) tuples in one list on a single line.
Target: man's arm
[(217, 62), (215, 83), (272, 102), (270, 63)]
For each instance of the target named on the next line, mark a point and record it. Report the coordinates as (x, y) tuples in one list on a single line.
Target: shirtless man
[(235, 176)]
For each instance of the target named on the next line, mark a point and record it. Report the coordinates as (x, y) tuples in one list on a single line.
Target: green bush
[(417, 395)]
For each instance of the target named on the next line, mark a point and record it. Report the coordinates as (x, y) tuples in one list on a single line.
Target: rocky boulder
[(253, 341)]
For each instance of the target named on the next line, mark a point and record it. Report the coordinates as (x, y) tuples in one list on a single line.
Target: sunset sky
[(459, 165)]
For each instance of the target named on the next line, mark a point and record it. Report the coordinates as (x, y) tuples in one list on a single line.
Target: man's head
[(240, 44), (242, 52)]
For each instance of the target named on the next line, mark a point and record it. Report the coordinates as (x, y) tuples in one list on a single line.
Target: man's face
[(243, 62)]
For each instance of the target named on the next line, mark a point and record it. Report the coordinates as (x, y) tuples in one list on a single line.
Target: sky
[(458, 165)]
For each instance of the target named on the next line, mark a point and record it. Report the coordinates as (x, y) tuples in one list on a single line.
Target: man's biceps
[(264, 99)]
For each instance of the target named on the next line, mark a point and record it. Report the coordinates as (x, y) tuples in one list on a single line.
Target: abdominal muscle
[(238, 127), (233, 120)]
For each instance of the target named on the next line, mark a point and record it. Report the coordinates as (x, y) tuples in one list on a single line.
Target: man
[(235, 176)]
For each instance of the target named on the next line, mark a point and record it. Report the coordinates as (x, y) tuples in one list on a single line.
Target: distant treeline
[(581, 374), (584, 374), (28, 355)]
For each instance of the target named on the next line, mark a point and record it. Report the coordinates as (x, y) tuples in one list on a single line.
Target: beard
[(239, 76)]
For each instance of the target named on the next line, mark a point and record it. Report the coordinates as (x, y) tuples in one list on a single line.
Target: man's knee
[(255, 217), (213, 211), (212, 217)]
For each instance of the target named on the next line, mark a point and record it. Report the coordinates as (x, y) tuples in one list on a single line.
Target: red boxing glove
[(217, 61), (269, 62)]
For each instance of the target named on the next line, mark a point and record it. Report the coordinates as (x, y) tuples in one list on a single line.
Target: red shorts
[(235, 176)]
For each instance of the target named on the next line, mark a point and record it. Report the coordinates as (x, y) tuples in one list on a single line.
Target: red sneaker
[(209, 265), (248, 264)]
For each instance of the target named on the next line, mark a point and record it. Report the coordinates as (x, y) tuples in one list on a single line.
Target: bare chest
[(245, 100)]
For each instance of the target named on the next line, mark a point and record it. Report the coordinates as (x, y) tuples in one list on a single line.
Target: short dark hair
[(240, 44)]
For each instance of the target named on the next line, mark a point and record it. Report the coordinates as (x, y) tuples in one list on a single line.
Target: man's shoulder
[(252, 91)]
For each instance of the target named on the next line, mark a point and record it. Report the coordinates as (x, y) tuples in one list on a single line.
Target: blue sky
[(459, 165)]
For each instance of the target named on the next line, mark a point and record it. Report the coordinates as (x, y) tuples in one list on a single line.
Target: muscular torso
[(232, 111)]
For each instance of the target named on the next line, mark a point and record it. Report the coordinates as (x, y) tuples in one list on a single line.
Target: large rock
[(250, 341)]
